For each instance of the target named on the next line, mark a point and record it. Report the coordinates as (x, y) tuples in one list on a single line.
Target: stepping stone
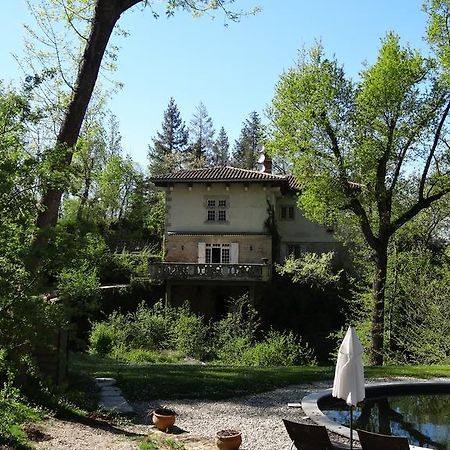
[(105, 381), (111, 398)]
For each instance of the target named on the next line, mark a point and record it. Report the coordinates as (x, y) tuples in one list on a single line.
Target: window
[(216, 209), (287, 212), (217, 253)]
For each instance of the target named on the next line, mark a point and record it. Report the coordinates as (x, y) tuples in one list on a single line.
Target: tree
[(245, 151), (220, 149), (202, 137), (168, 144), (105, 14), (371, 152), (116, 185)]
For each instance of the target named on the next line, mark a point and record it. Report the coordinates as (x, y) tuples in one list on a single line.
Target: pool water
[(424, 419)]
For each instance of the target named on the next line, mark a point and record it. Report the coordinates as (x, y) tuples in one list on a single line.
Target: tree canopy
[(373, 151)]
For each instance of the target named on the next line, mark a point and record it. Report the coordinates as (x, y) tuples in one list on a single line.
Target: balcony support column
[(168, 293)]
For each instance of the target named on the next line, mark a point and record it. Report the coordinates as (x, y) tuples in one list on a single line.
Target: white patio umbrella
[(349, 375)]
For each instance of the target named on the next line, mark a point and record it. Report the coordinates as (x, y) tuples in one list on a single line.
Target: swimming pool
[(419, 411)]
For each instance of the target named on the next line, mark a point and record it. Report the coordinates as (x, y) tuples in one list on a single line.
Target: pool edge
[(311, 409)]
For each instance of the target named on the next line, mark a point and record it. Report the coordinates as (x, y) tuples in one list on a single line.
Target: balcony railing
[(210, 272)]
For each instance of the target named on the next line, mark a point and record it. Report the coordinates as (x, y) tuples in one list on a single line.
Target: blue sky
[(232, 70)]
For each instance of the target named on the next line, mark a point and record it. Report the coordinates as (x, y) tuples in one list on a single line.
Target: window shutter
[(201, 252), (234, 253)]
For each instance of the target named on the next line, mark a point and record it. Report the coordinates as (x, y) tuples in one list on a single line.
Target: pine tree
[(202, 138), (245, 151), (169, 144), (220, 156)]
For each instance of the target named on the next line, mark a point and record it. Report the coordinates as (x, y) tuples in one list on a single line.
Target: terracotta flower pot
[(163, 418), (228, 439)]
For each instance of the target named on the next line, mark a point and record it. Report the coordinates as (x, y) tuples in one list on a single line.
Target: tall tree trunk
[(105, 17), (378, 293)]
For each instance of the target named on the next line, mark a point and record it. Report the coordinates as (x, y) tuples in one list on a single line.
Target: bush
[(152, 327), (241, 324), (231, 351), (278, 349), (140, 355), (105, 336), (13, 413), (101, 339), (191, 335)]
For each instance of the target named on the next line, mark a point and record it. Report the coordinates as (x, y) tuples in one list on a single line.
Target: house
[(225, 227)]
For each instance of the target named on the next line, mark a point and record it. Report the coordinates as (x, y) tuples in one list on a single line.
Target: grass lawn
[(170, 381)]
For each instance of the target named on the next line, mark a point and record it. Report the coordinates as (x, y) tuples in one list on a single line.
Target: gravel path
[(67, 435), (257, 416)]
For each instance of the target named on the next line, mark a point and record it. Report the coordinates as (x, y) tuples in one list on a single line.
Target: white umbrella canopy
[(349, 375)]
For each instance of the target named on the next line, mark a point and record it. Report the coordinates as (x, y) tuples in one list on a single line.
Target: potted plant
[(163, 418), (228, 439)]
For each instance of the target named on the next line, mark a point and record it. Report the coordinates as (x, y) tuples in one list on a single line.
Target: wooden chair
[(374, 441), (309, 437)]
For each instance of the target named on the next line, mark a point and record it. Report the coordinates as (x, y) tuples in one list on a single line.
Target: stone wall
[(252, 248)]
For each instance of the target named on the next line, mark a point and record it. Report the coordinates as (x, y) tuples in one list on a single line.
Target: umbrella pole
[(351, 427)]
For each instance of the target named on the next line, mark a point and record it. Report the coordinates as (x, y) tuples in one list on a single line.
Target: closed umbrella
[(349, 375)]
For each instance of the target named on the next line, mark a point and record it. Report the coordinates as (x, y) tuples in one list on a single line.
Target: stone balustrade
[(212, 272)]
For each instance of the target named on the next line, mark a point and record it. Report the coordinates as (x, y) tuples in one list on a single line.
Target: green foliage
[(315, 270), (166, 334), (352, 145), (237, 330), (14, 412), (278, 349), (79, 290), (101, 339), (168, 146), (139, 356), (201, 133), (420, 311), (191, 335), (151, 327), (155, 221), (245, 151), (107, 335)]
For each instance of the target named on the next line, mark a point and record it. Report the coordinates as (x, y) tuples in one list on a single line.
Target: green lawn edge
[(177, 381)]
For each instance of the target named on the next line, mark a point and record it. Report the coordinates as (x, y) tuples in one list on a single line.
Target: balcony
[(210, 272)]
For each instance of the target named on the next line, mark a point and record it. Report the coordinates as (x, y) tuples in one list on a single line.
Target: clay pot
[(228, 439), (163, 418)]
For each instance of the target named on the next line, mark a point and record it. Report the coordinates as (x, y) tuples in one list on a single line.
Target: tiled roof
[(217, 174)]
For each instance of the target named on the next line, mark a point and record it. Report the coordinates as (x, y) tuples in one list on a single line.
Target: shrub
[(13, 413), (241, 323), (278, 349), (191, 335), (152, 327), (231, 351), (315, 270), (140, 355), (109, 334), (101, 339)]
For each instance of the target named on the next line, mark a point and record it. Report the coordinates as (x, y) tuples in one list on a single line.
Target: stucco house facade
[(224, 229)]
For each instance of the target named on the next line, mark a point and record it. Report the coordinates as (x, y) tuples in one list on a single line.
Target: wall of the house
[(246, 211), (309, 236), (252, 248)]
